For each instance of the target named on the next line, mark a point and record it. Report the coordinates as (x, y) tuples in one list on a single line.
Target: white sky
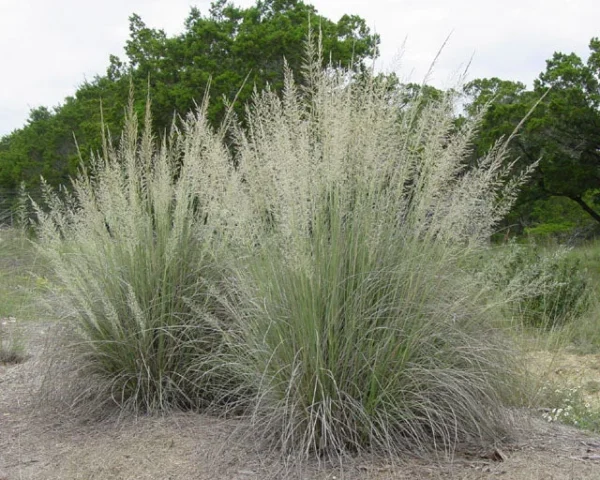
[(48, 47)]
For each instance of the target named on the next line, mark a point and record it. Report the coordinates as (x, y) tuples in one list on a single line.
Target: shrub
[(545, 288), (549, 231)]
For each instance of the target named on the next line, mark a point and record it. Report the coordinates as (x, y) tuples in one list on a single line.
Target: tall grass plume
[(357, 325)]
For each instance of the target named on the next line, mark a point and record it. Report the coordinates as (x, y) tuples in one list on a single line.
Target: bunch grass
[(131, 248), (356, 324), (306, 266)]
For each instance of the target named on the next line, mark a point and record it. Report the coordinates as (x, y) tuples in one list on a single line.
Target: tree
[(46, 145), (231, 50), (563, 130), (235, 50), (570, 127)]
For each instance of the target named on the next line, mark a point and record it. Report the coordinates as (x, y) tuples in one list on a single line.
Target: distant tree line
[(563, 131), (231, 51)]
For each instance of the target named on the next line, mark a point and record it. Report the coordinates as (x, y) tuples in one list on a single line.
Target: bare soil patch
[(40, 443), (571, 371)]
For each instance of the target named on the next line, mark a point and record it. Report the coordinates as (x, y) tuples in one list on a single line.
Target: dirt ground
[(570, 370), (36, 443)]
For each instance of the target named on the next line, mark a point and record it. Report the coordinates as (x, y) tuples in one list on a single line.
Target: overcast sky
[(48, 47)]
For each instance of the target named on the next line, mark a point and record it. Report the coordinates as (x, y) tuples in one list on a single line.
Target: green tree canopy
[(563, 130), (232, 49), (230, 45)]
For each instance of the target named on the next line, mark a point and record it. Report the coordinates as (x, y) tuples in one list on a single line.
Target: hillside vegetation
[(231, 51)]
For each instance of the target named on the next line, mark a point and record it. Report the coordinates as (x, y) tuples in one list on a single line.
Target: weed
[(573, 410)]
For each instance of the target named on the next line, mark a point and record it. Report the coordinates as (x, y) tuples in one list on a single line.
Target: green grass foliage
[(20, 286), (368, 345)]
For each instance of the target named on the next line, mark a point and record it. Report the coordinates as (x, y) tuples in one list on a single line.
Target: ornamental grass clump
[(306, 265), (355, 324), (132, 245)]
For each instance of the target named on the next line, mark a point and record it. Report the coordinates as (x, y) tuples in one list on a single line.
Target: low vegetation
[(18, 296), (547, 288)]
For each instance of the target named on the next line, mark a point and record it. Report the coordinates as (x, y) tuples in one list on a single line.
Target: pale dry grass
[(354, 321)]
